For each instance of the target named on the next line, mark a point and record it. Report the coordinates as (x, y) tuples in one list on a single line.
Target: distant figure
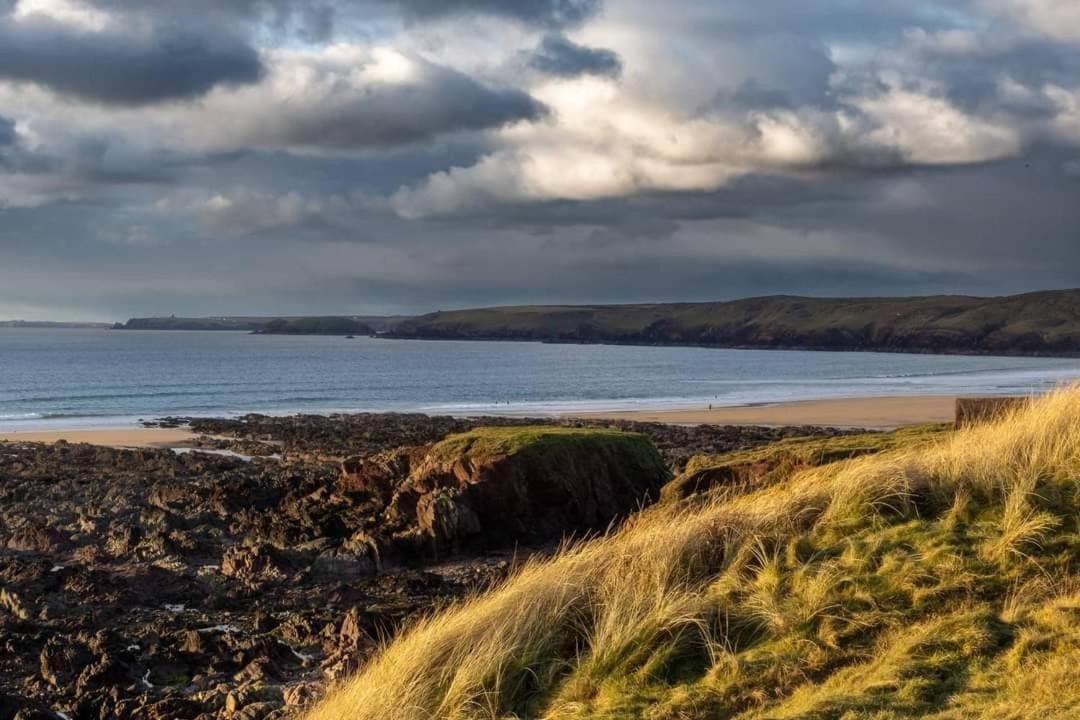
[(710, 406)]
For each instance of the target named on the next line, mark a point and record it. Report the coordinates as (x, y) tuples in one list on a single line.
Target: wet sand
[(116, 437), (871, 412)]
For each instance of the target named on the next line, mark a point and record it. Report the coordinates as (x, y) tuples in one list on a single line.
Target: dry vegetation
[(940, 580)]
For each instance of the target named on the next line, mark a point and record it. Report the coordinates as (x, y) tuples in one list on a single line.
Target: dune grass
[(936, 581), (740, 470)]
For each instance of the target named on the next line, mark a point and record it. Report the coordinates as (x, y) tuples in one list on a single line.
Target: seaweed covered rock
[(499, 486)]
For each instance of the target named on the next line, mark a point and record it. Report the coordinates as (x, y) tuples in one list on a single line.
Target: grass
[(487, 442), (743, 469), (935, 581)]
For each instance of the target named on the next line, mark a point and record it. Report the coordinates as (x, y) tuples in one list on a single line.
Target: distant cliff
[(186, 323), (52, 325), (330, 325), (1043, 323), (315, 326)]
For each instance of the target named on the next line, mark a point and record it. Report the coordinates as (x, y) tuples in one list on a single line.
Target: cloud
[(557, 55), (1058, 19), (551, 13), (404, 154), (122, 66), (7, 131), (349, 97), (247, 212), (608, 144)]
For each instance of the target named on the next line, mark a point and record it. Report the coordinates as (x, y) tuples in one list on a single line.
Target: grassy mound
[(743, 469), (497, 486), (482, 443), (940, 581)]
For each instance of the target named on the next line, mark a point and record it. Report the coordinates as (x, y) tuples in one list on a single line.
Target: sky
[(381, 156)]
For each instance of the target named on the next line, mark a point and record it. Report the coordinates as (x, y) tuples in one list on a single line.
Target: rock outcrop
[(501, 486)]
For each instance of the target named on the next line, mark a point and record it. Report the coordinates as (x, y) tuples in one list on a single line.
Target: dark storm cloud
[(125, 68), (310, 20), (7, 131), (319, 19), (553, 13), (439, 100), (557, 55)]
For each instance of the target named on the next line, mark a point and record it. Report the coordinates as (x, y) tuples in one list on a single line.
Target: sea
[(83, 378)]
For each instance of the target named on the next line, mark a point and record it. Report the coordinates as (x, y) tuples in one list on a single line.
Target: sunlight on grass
[(937, 580)]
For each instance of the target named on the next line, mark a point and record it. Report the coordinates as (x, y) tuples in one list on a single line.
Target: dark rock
[(254, 565)]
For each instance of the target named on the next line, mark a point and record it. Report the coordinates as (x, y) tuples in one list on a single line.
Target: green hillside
[(1037, 323)]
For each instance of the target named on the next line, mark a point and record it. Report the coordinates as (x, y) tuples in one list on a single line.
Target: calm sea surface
[(87, 378)]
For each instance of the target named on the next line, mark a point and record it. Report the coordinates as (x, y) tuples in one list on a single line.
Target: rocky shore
[(154, 584)]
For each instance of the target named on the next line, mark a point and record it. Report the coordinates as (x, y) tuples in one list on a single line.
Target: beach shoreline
[(876, 413), (132, 437)]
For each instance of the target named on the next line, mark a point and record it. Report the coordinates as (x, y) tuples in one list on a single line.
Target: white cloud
[(605, 142), (69, 12), (928, 130), (1066, 122), (1059, 19)]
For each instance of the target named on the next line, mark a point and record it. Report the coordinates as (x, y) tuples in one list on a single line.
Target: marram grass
[(937, 581)]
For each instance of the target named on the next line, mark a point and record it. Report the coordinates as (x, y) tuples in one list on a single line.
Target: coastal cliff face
[(1045, 323)]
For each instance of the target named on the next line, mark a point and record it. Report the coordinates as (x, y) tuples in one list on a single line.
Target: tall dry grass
[(558, 628)]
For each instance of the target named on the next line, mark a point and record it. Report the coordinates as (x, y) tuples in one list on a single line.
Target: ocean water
[(92, 378)]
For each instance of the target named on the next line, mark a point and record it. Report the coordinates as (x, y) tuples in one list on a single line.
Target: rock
[(380, 474), (15, 604), (105, 671), (344, 565), (37, 540), (499, 486), (257, 711), (61, 660), (352, 637), (443, 515), (122, 539), (254, 565), (302, 695)]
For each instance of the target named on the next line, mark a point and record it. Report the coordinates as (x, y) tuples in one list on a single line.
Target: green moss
[(488, 442)]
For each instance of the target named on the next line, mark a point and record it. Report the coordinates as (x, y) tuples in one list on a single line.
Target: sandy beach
[(115, 437), (869, 412)]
